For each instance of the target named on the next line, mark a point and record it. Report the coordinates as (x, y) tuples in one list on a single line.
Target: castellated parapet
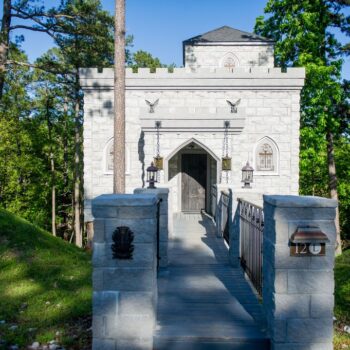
[(184, 78)]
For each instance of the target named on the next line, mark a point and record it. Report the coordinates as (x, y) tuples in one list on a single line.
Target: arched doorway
[(192, 171)]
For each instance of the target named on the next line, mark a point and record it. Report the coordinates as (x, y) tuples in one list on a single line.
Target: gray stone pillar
[(124, 291), (298, 291), (163, 194)]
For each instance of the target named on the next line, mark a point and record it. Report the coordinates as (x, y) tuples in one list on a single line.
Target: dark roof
[(226, 34)]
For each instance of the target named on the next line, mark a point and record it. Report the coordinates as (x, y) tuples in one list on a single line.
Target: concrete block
[(103, 344), (144, 229), (322, 305), (143, 256), (129, 279), (97, 279), (99, 230), (291, 306), (135, 344), (136, 303), (279, 330), (105, 303), (310, 282), (314, 330)]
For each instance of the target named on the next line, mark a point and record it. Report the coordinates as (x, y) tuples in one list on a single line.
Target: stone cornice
[(256, 78)]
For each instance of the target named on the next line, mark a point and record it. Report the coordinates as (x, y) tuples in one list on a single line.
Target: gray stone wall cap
[(161, 190), (300, 201), (124, 200)]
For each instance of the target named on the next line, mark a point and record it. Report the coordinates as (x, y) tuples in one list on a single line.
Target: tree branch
[(45, 69)]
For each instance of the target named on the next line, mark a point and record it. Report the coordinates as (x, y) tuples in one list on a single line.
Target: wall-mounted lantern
[(247, 175), (152, 178), (226, 160), (158, 159)]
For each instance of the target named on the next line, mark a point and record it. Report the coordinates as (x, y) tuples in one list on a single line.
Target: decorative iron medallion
[(122, 247)]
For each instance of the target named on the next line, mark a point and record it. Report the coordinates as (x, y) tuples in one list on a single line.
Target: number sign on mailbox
[(308, 241)]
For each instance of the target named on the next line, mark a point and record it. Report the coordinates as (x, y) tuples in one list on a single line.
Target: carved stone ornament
[(152, 105), (122, 247), (233, 105)]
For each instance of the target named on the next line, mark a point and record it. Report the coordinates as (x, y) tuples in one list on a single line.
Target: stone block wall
[(270, 103), (162, 194), (124, 291), (298, 291), (205, 56)]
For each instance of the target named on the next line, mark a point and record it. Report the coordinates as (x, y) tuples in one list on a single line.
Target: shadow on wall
[(141, 151), (190, 58)]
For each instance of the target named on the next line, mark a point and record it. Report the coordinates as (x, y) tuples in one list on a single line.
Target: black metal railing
[(158, 231), (251, 237), (213, 200), (225, 215)]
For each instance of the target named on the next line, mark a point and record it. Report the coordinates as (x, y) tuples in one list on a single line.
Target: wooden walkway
[(203, 303)]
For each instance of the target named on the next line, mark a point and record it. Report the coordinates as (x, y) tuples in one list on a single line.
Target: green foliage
[(342, 299), (143, 59), (304, 34), (45, 281)]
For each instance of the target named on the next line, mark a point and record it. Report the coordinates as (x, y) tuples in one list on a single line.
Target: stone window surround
[(229, 55), (276, 158), (106, 151)]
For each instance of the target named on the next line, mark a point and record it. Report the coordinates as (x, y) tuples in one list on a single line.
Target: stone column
[(298, 291), (124, 291), (163, 194)]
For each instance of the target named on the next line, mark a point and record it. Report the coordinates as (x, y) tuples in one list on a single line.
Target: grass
[(45, 287), (342, 300)]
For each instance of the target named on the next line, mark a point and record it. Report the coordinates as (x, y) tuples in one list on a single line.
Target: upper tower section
[(228, 47)]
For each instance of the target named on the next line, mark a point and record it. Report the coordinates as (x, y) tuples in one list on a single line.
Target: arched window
[(229, 61), (266, 156), (108, 158)]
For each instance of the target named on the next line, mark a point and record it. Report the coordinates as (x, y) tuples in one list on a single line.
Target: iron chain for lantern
[(226, 160), (158, 160)]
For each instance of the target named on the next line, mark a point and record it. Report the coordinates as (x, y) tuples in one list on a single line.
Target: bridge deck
[(204, 303)]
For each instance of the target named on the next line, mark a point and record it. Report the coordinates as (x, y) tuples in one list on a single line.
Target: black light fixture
[(247, 175), (152, 178), (158, 159), (226, 160)]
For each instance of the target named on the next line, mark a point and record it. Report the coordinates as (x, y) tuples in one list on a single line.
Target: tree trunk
[(4, 42), (119, 98), (76, 195), (52, 168), (65, 200), (333, 182)]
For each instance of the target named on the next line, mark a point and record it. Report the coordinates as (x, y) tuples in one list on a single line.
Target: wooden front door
[(194, 181)]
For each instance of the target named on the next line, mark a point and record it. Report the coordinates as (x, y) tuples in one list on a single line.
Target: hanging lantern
[(247, 175), (226, 160), (158, 160), (152, 175), (226, 163)]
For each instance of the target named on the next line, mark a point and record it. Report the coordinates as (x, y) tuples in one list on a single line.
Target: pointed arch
[(266, 157), (229, 61), (188, 142), (107, 159)]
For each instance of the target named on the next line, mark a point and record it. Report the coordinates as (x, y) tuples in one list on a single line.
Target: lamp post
[(152, 175), (247, 175)]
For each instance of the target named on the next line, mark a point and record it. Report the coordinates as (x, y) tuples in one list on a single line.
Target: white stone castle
[(228, 79)]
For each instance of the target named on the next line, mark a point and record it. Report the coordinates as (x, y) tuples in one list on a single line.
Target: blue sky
[(160, 26)]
